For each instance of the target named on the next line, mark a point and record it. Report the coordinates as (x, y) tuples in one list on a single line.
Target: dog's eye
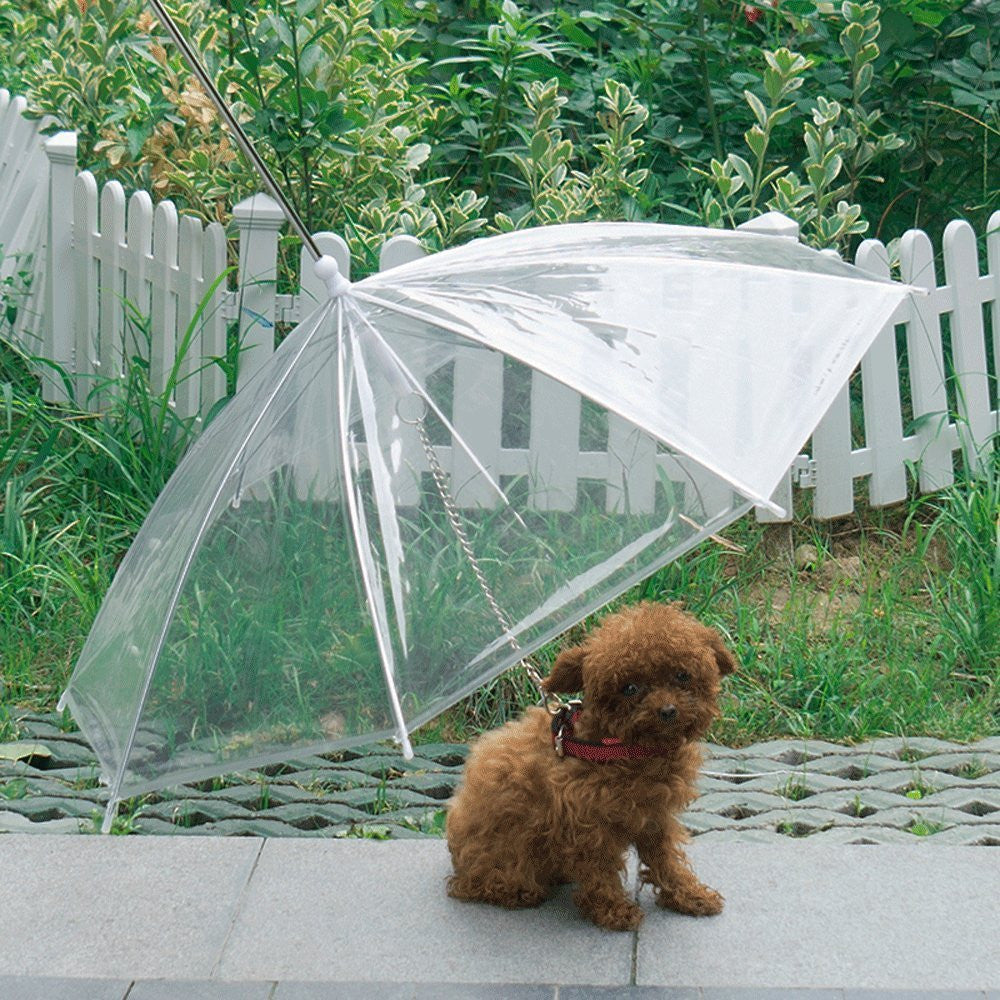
[(630, 690), (683, 678)]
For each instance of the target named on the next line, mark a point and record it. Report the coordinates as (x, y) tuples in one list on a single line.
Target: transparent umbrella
[(445, 466)]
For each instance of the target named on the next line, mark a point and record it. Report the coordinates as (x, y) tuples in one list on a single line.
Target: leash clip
[(561, 720)]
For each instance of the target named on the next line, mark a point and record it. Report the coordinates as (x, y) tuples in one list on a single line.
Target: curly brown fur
[(523, 821)]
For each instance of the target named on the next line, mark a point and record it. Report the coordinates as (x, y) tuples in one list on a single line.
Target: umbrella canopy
[(447, 465)]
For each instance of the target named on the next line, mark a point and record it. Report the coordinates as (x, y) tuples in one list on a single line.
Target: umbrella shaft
[(239, 135)]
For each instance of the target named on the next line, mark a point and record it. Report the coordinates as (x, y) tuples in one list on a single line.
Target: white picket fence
[(107, 257)]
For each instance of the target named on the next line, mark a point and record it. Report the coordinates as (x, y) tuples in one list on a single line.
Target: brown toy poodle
[(547, 800)]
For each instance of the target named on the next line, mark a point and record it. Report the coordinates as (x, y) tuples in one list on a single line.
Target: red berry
[(751, 14)]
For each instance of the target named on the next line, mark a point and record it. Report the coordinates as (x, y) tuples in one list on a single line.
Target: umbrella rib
[(417, 388), (363, 549), (115, 792)]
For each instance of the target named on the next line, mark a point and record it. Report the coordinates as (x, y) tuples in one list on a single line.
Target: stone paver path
[(895, 790)]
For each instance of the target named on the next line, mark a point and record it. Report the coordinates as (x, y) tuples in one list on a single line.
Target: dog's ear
[(724, 660), (566, 676)]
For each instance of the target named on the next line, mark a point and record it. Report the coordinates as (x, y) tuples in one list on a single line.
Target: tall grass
[(74, 488), (965, 521), (894, 629)]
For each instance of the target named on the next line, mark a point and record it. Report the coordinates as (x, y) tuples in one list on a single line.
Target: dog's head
[(649, 674)]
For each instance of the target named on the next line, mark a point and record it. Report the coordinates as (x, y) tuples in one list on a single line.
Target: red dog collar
[(608, 749)]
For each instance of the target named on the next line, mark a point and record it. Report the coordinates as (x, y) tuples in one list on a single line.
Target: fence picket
[(924, 352), (111, 325), (831, 449), (412, 462), (258, 220), (993, 294), (189, 292), (163, 308), (968, 346), (139, 240), (880, 395), (554, 444), (20, 156), (86, 288), (213, 335), (631, 478), (56, 279)]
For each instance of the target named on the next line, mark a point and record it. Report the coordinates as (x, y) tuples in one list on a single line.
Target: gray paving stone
[(413, 991), (386, 764), (629, 993), (41, 808), (446, 754), (373, 787), (904, 817), (256, 827), (980, 802), (120, 907), (739, 993), (316, 814), (986, 835), (67, 753), (855, 766), (15, 822), (866, 834), (903, 778), (50, 988), (954, 762), (738, 835), (356, 910), (848, 801), (330, 779), (792, 752), (438, 785), (195, 812), (199, 989), (737, 804), (832, 917), (914, 995), (250, 796)]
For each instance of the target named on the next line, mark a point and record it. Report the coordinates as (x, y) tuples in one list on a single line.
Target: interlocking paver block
[(956, 762), (12, 822), (985, 835), (195, 812), (316, 815), (798, 785), (736, 804)]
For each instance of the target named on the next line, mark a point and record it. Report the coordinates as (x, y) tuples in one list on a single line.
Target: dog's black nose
[(668, 713)]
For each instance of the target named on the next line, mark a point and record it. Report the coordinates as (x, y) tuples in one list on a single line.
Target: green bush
[(441, 118)]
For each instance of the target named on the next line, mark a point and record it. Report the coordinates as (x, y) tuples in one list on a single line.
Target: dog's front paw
[(612, 914), (693, 901)]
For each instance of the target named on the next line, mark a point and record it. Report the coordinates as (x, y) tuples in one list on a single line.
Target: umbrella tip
[(328, 272)]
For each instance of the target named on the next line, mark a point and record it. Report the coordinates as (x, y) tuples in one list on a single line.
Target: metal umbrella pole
[(191, 58)]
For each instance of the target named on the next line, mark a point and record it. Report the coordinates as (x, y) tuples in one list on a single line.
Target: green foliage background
[(442, 118)]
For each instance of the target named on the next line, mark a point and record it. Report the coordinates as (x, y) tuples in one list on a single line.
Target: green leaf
[(756, 140), (743, 170), (757, 107)]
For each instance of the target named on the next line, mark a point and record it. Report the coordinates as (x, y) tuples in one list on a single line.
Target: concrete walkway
[(867, 871), (245, 918)]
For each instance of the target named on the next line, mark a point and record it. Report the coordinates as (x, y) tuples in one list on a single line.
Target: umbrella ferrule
[(328, 271)]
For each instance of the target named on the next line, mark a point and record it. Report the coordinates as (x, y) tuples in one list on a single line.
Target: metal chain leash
[(552, 703)]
